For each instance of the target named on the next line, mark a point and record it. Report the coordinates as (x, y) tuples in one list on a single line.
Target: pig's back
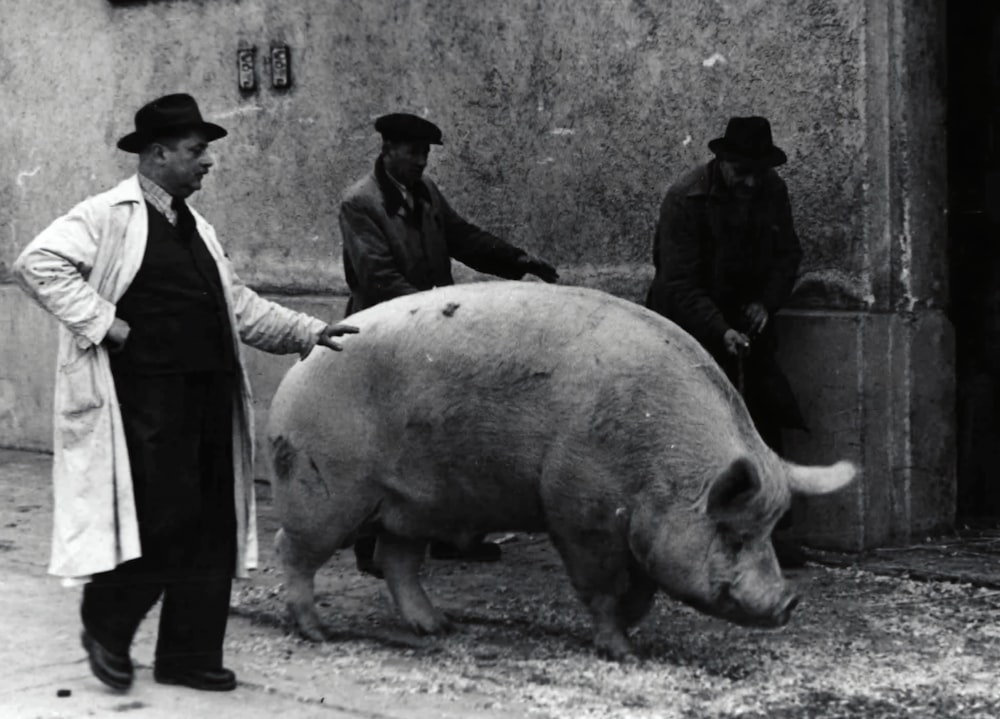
[(488, 377)]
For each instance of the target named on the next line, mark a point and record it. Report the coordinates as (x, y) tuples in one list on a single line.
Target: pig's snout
[(776, 614)]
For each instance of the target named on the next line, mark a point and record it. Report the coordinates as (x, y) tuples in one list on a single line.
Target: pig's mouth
[(726, 606)]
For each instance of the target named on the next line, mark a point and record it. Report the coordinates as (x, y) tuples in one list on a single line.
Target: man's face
[(184, 162), (742, 178), (406, 161)]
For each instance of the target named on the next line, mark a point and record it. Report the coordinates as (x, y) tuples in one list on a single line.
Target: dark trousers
[(178, 428)]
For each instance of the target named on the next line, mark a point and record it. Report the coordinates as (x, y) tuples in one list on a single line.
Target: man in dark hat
[(152, 472), (726, 257), (399, 236)]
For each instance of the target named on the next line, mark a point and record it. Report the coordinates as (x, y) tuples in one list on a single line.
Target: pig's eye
[(734, 540)]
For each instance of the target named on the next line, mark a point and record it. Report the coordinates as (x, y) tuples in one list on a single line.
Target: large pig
[(508, 406)]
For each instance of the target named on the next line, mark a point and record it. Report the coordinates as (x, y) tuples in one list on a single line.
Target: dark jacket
[(713, 255), (390, 250)]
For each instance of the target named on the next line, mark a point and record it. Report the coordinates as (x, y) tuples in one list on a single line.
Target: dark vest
[(175, 307)]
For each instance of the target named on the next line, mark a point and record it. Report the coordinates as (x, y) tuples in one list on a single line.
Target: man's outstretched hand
[(756, 317), (737, 343), (331, 331), (539, 268)]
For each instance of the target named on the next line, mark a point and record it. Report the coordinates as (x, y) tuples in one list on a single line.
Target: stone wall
[(564, 122)]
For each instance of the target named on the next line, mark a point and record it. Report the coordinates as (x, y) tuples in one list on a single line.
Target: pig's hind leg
[(400, 559), (300, 564), (315, 522)]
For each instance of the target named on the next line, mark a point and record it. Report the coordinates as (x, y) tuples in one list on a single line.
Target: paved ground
[(41, 652), (868, 642)]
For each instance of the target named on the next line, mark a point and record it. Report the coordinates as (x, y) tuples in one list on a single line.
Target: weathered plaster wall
[(564, 123)]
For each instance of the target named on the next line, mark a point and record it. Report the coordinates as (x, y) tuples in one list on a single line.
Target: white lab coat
[(77, 269)]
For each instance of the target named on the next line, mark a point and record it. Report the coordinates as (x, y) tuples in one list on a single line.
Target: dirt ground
[(861, 644)]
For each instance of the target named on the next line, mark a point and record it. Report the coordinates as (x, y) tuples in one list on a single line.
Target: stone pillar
[(875, 368)]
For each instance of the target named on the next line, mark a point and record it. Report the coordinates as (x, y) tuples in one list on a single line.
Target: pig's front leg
[(599, 569), (614, 613), (609, 633)]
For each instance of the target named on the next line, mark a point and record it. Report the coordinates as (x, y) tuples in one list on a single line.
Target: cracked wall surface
[(564, 123)]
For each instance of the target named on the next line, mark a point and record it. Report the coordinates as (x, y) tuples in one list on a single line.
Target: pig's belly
[(438, 500)]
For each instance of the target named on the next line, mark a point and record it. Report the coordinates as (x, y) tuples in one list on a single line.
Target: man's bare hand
[(736, 343), (756, 317), (330, 331), (117, 335)]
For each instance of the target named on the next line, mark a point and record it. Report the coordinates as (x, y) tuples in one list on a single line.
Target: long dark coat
[(390, 250), (713, 255)]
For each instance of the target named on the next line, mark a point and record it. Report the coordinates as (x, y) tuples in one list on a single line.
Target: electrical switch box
[(281, 75), (246, 61)]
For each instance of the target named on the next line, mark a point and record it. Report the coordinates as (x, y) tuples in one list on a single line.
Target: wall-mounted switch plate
[(246, 61), (281, 74)]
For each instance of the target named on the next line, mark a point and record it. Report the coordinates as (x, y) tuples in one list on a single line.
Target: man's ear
[(157, 151), (733, 491)]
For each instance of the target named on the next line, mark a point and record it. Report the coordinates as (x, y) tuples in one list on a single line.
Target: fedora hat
[(167, 115), (404, 127), (748, 139)]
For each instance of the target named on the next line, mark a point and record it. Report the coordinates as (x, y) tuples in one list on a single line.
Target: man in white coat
[(152, 475)]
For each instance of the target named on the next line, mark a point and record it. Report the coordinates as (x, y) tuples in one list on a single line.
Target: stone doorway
[(974, 242)]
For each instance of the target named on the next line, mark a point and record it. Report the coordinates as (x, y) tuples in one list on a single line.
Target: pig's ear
[(733, 490)]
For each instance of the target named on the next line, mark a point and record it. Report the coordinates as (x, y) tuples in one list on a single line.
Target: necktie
[(185, 220)]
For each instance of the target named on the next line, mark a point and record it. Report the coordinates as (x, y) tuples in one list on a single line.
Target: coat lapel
[(120, 254)]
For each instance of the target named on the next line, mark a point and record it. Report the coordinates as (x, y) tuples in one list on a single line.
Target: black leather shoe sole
[(114, 670), (206, 680)]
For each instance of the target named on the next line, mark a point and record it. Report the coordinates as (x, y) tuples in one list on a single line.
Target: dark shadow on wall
[(974, 242)]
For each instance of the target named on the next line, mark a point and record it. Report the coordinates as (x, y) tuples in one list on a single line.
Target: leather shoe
[(481, 552), (209, 680), (113, 669)]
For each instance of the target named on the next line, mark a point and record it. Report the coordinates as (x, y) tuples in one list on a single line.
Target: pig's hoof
[(310, 628), (314, 634), (616, 648), (431, 622)]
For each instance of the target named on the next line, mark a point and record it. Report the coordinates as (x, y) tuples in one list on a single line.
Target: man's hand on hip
[(539, 268), (117, 335), (330, 331)]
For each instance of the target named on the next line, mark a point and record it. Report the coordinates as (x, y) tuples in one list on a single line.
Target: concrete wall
[(564, 122)]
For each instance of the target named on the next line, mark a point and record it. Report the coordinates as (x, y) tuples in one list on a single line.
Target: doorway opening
[(974, 248)]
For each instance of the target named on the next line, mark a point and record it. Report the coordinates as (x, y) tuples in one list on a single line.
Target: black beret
[(404, 127)]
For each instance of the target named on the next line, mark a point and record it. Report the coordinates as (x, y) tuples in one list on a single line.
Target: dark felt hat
[(167, 115), (748, 139), (404, 127)]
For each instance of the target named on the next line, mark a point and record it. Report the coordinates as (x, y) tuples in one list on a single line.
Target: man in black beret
[(400, 235), (726, 257), (152, 473)]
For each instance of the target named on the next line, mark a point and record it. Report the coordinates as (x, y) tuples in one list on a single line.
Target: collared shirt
[(159, 198)]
